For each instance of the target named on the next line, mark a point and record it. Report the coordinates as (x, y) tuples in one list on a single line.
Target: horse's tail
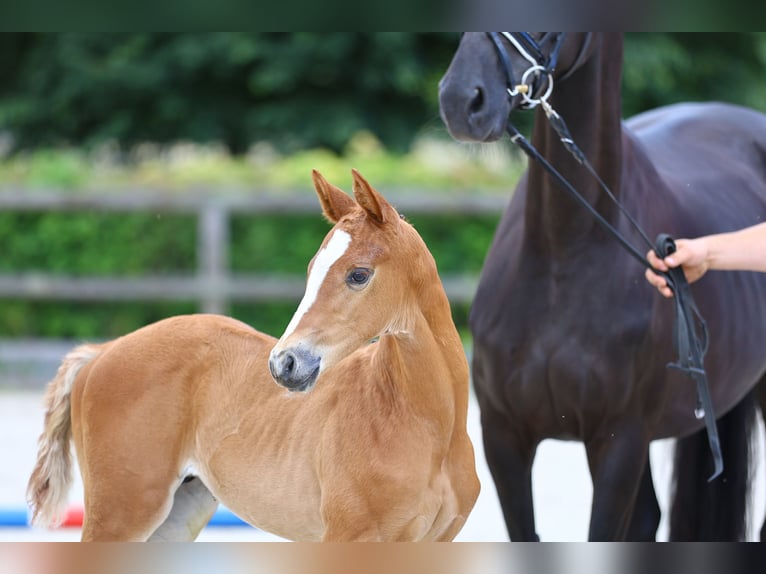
[(52, 476), (717, 510)]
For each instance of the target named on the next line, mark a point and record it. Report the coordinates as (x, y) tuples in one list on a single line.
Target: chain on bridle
[(535, 88), (536, 82)]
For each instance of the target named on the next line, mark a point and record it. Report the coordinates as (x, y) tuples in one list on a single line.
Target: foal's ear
[(371, 201), (335, 202)]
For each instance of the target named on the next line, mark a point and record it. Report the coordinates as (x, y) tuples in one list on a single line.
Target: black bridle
[(535, 87), (537, 80), (536, 83)]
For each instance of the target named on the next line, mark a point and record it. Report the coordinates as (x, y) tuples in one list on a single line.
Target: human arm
[(742, 250)]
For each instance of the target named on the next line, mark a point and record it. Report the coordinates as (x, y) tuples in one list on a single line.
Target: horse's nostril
[(477, 102)]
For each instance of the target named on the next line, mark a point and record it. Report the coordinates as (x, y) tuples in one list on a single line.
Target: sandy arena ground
[(562, 486)]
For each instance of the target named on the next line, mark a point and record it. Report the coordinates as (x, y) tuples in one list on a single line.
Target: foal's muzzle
[(295, 369)]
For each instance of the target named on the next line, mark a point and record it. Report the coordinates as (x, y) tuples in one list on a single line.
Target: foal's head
[(362, 284)]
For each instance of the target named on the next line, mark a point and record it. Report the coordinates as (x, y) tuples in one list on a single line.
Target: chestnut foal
[(368, 442)]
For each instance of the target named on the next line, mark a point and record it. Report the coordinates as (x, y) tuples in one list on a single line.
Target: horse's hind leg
[(760, 395), (646, 512), (703, 511), (193, 507)]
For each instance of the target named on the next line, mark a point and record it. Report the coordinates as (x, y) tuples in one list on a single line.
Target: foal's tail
[(717, 510), (52, 476)]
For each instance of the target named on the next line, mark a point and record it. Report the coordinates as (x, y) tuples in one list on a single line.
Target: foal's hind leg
[(193, 507), (125, 508), (130, 474), (646, 512)]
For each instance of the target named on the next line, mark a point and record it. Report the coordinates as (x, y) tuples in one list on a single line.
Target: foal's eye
[(358, 277)]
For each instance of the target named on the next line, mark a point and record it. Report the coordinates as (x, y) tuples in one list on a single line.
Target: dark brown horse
[(570, 342)]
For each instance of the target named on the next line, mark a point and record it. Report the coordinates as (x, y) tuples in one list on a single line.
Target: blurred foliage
[(263, 109), (297, 90), (123, 244), (91, 321), (432, 163), (301, 90), (663, 68), (95, 244)]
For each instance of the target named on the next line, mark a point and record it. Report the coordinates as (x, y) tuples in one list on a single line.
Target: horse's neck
[(590, 103)]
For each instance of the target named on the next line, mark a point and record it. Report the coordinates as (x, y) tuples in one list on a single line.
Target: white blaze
[(325, 259)]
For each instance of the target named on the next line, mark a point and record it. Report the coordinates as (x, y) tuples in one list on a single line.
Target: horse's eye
[(358, 277)]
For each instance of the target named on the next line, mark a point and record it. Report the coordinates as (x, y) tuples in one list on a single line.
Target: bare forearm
[(744, 249)]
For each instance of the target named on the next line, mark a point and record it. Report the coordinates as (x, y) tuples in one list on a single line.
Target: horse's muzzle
[(295, 369)]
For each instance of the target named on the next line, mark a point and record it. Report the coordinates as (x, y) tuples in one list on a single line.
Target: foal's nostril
[(295, 369), (289, 364), (477, 102)]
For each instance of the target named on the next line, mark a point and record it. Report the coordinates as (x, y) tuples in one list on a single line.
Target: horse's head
[(493, 73), (358, 286)]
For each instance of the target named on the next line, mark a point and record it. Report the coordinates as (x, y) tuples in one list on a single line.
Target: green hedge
[(295, 89), (301, 90), (125, 244), (91, 244)]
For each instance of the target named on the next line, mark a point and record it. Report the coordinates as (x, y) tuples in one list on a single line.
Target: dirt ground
[(562, 486)]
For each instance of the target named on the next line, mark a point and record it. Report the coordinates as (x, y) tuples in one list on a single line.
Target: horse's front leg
[(510, 459), (646, 510), (617, 458)]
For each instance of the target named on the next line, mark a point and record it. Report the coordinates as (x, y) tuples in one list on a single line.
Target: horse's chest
[(555, 376), (549, 352)]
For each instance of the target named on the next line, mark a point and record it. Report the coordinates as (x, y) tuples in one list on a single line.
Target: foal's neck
[(427, 364), (590, 103)]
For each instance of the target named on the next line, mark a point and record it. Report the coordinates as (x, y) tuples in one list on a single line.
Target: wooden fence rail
[(213, 285)]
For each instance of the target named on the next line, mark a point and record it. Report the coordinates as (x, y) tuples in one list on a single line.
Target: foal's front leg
[(618, 458), (193, 507), (343, 523), (379, 507)]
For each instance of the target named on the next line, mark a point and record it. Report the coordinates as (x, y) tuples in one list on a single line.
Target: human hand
[(691, 254)]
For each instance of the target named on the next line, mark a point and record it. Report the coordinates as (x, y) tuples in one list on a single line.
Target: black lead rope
[(691, 338), (690, 328)]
